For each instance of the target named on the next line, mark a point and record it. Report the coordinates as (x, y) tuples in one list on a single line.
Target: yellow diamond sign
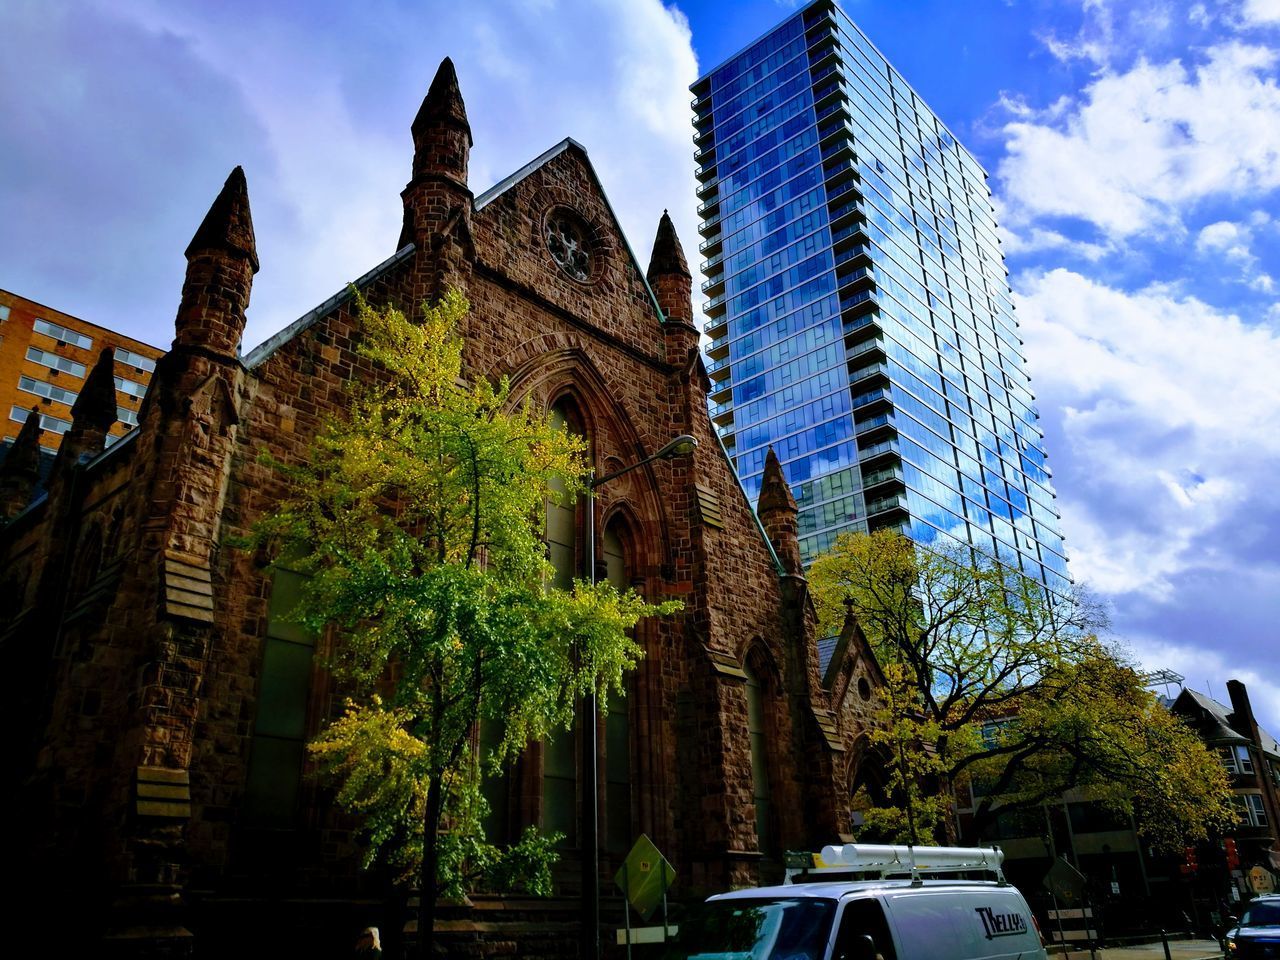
[(645, 877)]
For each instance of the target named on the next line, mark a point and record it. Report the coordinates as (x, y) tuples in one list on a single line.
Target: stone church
[(157, 699)]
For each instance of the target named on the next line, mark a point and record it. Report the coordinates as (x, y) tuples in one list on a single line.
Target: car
[(1256, 935), (885, 918)]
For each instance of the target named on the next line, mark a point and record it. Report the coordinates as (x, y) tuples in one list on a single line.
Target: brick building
[(46, 354), (1134, 888), (159, 703)]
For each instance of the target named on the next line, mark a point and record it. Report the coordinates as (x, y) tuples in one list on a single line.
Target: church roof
[(264, 350), (507, 182), (267, 347)]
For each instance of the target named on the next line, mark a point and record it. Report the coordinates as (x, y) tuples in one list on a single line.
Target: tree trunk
[(427, 886)]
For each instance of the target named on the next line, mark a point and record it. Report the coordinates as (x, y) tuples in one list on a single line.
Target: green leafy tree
[(421, 514), (993, 682)]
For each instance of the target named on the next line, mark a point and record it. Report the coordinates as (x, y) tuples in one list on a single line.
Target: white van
[(911, 918)]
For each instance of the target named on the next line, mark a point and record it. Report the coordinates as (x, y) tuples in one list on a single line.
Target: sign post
[(1066, 884)]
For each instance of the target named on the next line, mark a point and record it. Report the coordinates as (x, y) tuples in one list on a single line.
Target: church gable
[(550, 231)]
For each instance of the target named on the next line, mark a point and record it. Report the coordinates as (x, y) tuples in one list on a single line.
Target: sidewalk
[(1178, 950)]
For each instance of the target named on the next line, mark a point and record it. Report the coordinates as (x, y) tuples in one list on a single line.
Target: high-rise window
[(858, 306)]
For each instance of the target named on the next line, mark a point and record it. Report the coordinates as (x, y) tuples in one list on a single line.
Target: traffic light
[(1233, 855), (1191, 862)]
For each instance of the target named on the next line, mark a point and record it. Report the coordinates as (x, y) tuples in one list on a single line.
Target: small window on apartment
[(63, 334), (55, 362), (4, 313), (46, 390), (1257, 811), (135, 360), (1228, 757), (126, 416), (52, 424), (131, 387), (1244, 760)]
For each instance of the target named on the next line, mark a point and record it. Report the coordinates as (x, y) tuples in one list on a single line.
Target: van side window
[(861, 919)]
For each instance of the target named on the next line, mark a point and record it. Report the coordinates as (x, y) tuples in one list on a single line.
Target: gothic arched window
[(617, 725), (758, 735)]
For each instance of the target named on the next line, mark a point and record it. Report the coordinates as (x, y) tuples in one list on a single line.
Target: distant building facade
[(1251, 757), (45, 356), (1131, 887), (159, 700)]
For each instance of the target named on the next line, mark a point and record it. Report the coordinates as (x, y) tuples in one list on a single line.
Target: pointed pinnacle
[(24, 455), (668, 256), (97, 401), (228, 225), (775, 494), (443, 102)]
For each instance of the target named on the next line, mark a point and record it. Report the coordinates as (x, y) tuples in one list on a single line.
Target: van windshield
[(784, 929), (1263, 914)]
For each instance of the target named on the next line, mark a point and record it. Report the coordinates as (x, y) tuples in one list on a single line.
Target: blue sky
[(1133, 146)]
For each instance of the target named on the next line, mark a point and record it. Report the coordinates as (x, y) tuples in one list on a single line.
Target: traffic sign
[(1065, 882), (645, 877)]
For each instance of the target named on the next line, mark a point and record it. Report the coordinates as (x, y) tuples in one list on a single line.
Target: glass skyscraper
[(859, 309)]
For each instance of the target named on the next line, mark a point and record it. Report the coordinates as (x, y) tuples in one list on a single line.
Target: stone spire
[(668, 273), (437, 201), (441, 132), (92, 415), (668, 255), (777, 511), (96, 404), (228, 225), (222, 258), (20, 471)]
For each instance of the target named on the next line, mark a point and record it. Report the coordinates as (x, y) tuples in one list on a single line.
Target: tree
[(993, 681), (418, 516)]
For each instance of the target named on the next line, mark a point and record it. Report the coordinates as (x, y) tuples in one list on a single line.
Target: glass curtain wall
[(858, 308)]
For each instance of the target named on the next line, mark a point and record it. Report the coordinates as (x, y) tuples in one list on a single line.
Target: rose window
[(567, 241)]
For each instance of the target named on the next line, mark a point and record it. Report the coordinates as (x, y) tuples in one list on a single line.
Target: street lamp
[(591, 791)]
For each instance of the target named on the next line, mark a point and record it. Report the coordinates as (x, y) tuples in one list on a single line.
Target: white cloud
[(1228, 242), (1260, 12), (1168, 412), (1208, 671), (329, 101), (1138, 147)]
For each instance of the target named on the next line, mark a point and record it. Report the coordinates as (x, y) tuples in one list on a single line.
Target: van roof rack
[(882, 860)]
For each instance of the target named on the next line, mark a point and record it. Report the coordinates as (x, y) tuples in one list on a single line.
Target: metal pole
[(906, 790), (665, 934), (1057, 915), (590, 788), (590, 768), (626, 907), (1090, 930)]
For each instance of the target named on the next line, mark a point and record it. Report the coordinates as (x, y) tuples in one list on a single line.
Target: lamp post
[(591, 788)]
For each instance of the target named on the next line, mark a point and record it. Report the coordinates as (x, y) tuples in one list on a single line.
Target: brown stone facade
[(134, 636)]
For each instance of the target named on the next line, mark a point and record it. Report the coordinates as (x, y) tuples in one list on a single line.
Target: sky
[(1133, 148)]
